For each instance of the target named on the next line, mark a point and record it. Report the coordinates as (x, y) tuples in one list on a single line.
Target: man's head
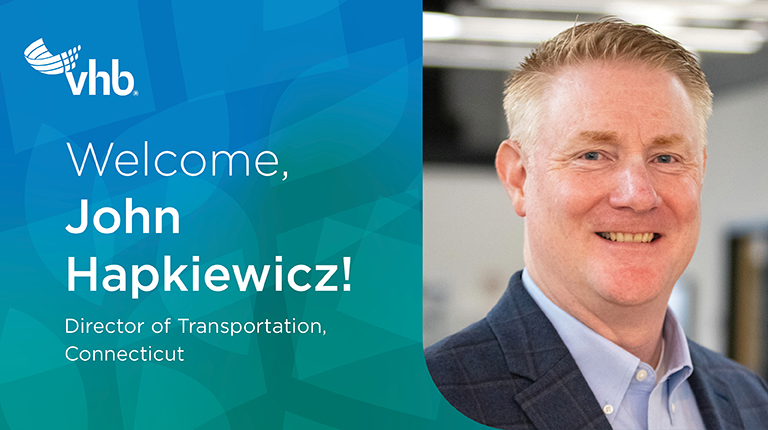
[(618, 152)]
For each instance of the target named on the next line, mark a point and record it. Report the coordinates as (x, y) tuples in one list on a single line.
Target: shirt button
[(673, 407), (641, 375), (608, 409)]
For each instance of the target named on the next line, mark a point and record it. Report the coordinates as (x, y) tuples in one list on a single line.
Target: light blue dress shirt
[(626, 388)]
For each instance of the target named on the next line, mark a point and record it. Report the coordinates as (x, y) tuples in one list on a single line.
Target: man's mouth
[(629, 237)]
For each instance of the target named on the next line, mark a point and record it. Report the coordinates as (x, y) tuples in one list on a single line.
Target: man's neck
[(637, 331)]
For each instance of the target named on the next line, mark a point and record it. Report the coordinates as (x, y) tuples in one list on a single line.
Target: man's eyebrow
[(610, 136), (668, 140), (598, 136)]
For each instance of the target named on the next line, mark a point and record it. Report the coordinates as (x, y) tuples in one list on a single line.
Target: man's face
[(619, 154)]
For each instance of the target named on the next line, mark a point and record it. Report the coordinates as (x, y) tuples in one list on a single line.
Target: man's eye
[(666, 159), (592, 155)]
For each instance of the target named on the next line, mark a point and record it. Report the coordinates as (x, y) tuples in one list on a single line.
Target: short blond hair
[(609, 39)]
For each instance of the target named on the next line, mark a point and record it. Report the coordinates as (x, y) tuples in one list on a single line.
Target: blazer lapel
[(562, 399), (713, 397), (559, 396)]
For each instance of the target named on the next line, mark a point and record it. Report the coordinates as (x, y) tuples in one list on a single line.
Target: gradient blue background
[(334, 89)]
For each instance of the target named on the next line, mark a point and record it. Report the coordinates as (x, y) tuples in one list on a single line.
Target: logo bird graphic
[(40, 59)]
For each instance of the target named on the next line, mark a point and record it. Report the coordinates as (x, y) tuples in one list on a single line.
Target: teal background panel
[(333, 89)]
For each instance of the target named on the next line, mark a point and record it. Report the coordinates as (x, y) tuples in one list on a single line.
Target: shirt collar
[(677, 356), (608, 368)]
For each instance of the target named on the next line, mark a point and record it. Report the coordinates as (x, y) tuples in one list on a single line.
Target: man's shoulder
[(483, 367), (741, 381), (470, 370), (466, 357), (727, 391), (481, 352)]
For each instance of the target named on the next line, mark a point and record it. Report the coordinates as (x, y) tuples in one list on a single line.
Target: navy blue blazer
[(511, 370)]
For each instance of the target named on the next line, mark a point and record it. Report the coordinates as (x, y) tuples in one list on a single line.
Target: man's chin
[(628, 291)]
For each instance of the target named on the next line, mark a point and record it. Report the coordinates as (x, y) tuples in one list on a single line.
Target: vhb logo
[(40, 59)]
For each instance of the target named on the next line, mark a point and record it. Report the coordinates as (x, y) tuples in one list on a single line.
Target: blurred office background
[(472, 238)]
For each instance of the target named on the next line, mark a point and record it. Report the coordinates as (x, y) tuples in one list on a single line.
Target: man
[(605, 162)]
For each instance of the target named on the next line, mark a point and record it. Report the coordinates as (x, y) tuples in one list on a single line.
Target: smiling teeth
[(628, 237)]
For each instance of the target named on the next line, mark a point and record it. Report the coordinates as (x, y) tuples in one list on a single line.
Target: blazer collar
[(559, 396)]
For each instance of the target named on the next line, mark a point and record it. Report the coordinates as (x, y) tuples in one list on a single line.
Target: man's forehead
[(609, 102), (618, 78)]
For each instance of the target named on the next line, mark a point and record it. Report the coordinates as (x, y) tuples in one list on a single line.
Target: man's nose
[(634, 187)]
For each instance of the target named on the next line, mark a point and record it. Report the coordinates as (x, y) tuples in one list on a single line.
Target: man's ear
[(511, 169)]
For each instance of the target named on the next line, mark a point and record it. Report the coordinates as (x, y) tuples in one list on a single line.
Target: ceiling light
[(441, 26), (526, 31)]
